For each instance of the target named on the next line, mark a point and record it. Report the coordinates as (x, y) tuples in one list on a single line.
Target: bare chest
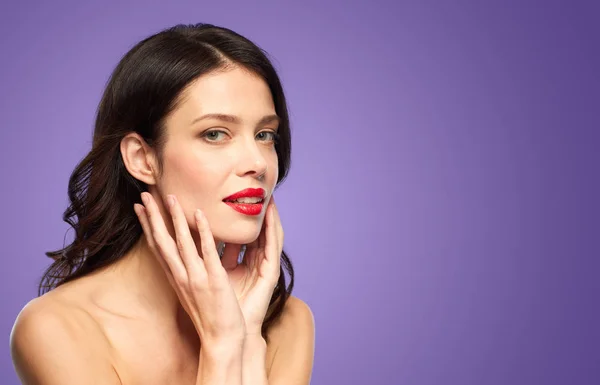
[(148, 369), (147, 357)]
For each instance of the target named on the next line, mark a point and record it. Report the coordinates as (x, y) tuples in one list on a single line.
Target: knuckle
[(197, 283), (180, 279), (159, 246), (159, 239)]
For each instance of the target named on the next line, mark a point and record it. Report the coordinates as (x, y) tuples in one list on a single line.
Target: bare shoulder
[(293, 339), (296, 315), (54, 342)]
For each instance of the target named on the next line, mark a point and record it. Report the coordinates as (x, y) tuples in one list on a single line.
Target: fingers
[(141, 214), (170, 268), (180, 256), (143, 218), (183, 238), (273, 246), (210, 256), (277, 221), (271, 235)]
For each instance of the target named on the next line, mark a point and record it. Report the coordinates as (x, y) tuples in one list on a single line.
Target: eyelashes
[(217, 136), (210, 135), (274, 136)]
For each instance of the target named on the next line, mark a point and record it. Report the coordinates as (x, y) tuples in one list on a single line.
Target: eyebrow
[(236, 120)]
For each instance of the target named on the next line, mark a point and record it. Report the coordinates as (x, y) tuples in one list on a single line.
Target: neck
[(149, 289)]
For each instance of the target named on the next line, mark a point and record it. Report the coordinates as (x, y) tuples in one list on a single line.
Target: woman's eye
[(267, 136), (213, 136)]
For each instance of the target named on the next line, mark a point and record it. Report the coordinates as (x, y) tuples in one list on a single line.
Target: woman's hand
[(200, 281), (256, 277)]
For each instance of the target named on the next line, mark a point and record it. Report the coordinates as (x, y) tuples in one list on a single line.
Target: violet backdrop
[(442, 206)]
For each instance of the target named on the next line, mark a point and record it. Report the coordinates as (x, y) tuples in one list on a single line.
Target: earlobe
[(138, 158)]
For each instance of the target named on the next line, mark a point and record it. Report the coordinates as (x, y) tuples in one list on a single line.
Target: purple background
[(441, 209)]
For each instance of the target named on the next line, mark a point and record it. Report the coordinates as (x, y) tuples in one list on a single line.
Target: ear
[(139, 158)]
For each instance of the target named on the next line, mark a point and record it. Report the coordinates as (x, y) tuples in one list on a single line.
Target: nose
[(252, 162)]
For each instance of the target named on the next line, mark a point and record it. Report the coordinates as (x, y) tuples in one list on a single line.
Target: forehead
[(233, 91)]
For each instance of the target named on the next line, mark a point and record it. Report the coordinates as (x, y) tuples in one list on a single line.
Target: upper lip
[(249, 192)]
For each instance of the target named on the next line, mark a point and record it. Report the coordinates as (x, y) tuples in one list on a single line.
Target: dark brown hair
[(142, 90)]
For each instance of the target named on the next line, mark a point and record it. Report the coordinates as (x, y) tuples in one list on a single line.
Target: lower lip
[(246, 208)]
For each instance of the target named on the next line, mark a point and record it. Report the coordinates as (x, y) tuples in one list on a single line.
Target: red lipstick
[(248, 208)]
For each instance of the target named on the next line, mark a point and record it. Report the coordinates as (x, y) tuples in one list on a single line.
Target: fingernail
[(144, 198), (171, 200), (198, 215), (136, 208)]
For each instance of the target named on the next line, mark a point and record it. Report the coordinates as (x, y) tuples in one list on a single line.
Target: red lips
[(247, 193), (247, 208)]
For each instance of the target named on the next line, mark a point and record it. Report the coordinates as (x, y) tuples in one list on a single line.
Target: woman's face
[(219, 141)]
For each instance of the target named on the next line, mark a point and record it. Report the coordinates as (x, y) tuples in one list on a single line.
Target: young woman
[(176, 273)]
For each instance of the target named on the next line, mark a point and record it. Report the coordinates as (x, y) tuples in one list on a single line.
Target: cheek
[(273, 167), (196, 181), (195, 172)]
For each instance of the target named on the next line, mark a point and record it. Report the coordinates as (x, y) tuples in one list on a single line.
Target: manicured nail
[(171, 200), (198, 215), (144, 198)]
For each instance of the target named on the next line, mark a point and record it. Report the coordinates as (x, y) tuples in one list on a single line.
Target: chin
[(239, 233)]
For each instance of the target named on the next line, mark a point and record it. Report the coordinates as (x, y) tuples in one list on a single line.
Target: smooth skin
[(171, 312)]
